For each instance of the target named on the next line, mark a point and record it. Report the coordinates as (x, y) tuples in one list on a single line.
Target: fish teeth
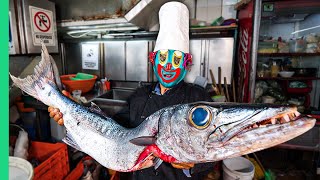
[(291, 116), (273, 121), (286, 118), (262, 126), (255, 125), (297, 113)]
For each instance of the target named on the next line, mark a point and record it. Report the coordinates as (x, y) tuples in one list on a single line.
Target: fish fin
[(157, 163), (143, 140), (186, 172), (70, 141), (96, 109), (42, 74)]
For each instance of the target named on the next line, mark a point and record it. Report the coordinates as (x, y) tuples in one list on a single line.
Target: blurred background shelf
[(288, 79), (287, 54)]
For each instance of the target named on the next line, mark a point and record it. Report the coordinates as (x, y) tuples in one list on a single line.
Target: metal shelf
[(213, 28), (288, 79), (287, 54)]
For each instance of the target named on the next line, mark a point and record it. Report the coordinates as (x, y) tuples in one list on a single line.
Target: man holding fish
[(171, 61)]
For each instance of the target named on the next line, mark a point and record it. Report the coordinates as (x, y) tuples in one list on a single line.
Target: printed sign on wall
[(42, 27), (90, 56)]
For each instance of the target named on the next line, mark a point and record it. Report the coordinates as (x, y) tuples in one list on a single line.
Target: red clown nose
[(169, 66)]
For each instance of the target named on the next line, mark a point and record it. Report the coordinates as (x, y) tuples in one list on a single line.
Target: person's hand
[(56, 115), (55, 112), (182, 165)]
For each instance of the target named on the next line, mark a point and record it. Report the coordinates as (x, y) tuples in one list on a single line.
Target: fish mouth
[(263, 120), (273, 121)]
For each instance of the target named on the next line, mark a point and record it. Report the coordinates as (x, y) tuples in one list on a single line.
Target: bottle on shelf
[(274, 69)]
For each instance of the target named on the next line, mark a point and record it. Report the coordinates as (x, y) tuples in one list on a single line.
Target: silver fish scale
[(109, 147), (111, 141)]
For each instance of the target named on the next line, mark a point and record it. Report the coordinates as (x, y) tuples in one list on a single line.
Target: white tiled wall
[(209, 10)]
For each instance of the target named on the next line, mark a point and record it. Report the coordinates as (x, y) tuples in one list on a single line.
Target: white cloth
[(174, 27)]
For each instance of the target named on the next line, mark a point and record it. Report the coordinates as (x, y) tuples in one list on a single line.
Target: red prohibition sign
[(39, 16)]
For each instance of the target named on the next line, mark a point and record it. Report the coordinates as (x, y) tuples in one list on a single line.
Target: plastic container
[(85, 85), (82, 76), (76, 94), (268, 47), (300, 90), (19, 169), (76, 173), (237, 168), (298, 45), (219, 98), (53, 159)]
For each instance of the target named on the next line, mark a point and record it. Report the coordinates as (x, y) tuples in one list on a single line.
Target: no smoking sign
[(42, 27)]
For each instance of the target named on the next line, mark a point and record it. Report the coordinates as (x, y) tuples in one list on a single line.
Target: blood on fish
[(153, 149)]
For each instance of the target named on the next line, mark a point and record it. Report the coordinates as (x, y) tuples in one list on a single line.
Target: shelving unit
[(287, 54), (277, 21), (289, 79)]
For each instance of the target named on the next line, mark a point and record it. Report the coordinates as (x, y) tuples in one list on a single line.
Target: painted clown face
[(170, 67)]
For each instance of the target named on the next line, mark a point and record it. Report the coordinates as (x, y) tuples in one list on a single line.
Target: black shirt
[(145, 102)]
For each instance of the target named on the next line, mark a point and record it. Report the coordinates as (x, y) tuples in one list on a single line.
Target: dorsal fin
[(96, 109)]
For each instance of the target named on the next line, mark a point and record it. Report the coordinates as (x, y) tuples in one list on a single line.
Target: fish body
[(194, 133)]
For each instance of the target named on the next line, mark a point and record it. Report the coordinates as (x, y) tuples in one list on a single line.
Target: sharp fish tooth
[(255, 125), (286, 118), (297, 113), (263, 125), (273, 121), (290, 116)]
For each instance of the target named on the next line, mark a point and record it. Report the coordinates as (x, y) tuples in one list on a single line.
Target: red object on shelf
[(83, 85), (299, 90), (53, 158), (308, 89)]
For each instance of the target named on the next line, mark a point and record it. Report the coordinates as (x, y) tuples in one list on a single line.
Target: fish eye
[(200, 117)]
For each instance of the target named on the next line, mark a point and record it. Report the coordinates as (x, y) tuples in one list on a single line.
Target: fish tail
[(42, 75)]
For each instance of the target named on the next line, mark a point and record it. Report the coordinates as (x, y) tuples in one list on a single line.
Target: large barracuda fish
[(185, 133)]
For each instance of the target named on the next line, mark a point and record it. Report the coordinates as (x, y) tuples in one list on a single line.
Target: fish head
[(207, 132)]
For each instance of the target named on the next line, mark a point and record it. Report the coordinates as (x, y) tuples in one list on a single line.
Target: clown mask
[(170, 66)]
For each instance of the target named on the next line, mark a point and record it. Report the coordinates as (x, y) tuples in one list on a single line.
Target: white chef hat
[(174, 27)]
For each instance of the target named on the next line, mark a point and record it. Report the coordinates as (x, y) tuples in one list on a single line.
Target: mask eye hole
[(176, 60), (200, 117), (163, 54)]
